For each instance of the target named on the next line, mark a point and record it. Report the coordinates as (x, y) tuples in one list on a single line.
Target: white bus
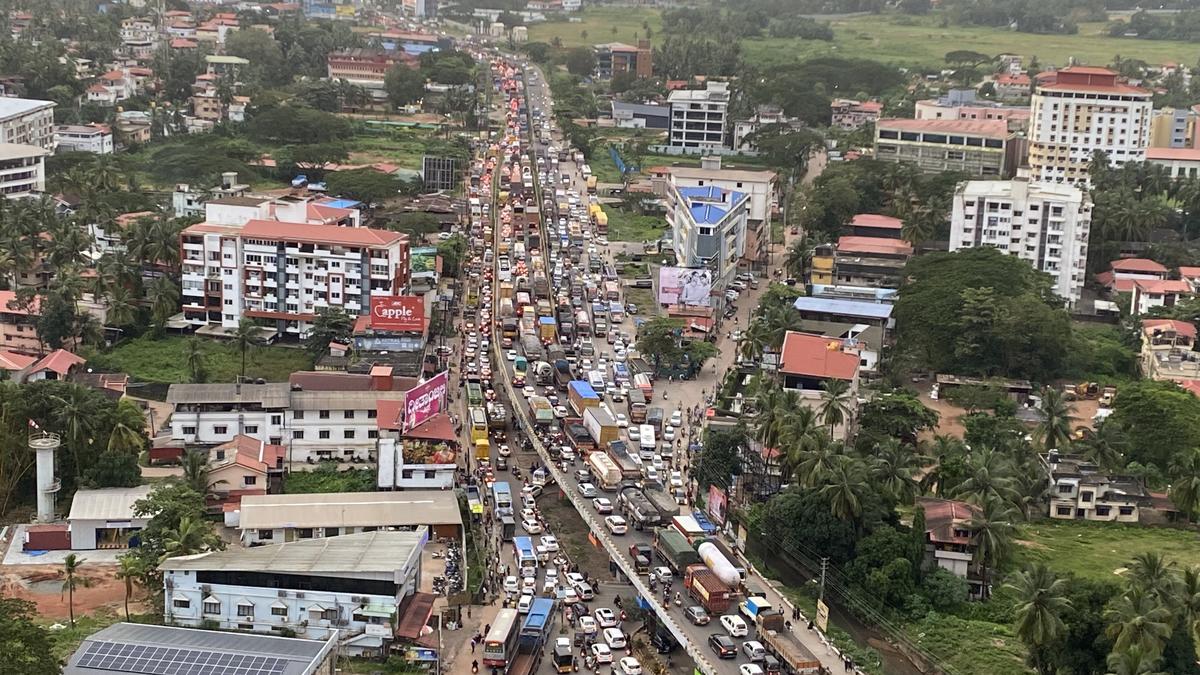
[(646, 441)]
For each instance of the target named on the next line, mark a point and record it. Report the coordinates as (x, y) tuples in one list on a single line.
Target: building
[(1173, 128), (1123, 273), (1169, 350), (18, 325), (283, 259), (1179, 162), (1012, 86), (949, 543), (27, 121), (352, 588), (94, 138), (640, 115), (874, 262), (1080, 110), (616, 58), (807, 361), (269, 519), (421, 458), (868, 324), (22, 170), (189, 203), (365, 67), (1044, 223), (708, 228), (149, 649), (243, 466), (848, 114), (876, 225), (983, 148), (1149, 293), (421, 9), (1080, 490), (698, 116), (760, 186), (764, 116), (105, 518)]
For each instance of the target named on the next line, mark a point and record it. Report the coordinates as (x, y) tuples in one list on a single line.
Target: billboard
[(684, 286), (398, 312), (717, 503), (424, 401), (423, 261)]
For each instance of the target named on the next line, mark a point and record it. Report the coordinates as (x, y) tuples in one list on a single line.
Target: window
[(324, 414), (348, 433), (252, 428), (298, 434), (181, 603), (212, 607), (406, 473), (304, 533), (323, 434), (276, 419), (279, 611), (249, 480), (332, 532), (330, 614), (266, 535), (1103, 510), (372, 433), (1063, 511), (372, 414), (298, 415), (430, 475), (1125, 510), (1065, 488), (1085, 497), (189, 431), (222, 429), (245, 610), (348, 414)]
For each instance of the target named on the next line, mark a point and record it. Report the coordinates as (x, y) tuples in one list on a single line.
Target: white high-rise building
[(1079, 110), (698, 116), (1045, 223)]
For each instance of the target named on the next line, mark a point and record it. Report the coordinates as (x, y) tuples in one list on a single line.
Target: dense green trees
[(404, 85), (1160, 421), (27, 646)]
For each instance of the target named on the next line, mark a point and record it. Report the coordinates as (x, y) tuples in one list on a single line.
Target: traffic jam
[(540, 284)]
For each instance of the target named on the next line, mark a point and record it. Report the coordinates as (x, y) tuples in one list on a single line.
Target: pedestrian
[(473, 645)]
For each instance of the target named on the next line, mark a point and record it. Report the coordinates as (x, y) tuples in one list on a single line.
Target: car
[(529, 514), (528, 585), (658, 463), (531, 526), (575, 578), (676, 479), (669, 433), (560, 411), (607, 618), (563, 643), (528, 390), (734, 625), (661, 574), (603, 505), (587, 490), (631, 309), (511, 585), (552, 574), (616, 525), (503, 450), (533, 491), (524, 603), (754, 650), (697, 615), (750, 669), (566, 453), (511, 355), (602, 653), (587, 625), (634, 434), (585, 591), (677, 418), (569, 596), (622, 421), (614, 638), (583, 475), (723, 646), (640, 549), (630, 666), (550, 542)]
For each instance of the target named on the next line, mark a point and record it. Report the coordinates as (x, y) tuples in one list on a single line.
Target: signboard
[(717, 503), (686, 286), (423, 261), (398, 312), (424, 401), (822, 616)]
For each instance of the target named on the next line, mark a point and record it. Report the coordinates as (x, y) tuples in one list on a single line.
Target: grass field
[(903, 40), (403, 147), (1101, 550), (970, 647), (161, 360), (624, 226)]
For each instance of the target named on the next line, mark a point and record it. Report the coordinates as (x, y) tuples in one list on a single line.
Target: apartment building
[(1046, 224), (1079, 110), (759, 186), (27, 121), (1080, 490), (282, 259), (1169, 350), (1173, 128), (366, 67), (354, 587), (846, 113), (983, 148), (962, 104), (22, 170), (698, 116), (94, 138), (616, 58), (872, 262), (708, 228), (18, 325)]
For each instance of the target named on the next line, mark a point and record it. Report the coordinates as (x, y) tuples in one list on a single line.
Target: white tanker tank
[(719, 564)]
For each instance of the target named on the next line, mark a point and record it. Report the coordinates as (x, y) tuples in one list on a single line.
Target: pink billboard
[(718, 502), (425, 400)]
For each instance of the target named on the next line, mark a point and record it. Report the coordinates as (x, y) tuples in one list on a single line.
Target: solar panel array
[(129, 658)]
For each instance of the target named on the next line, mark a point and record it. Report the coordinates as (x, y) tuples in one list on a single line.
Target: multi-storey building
[(764, 116), (365, 67), (616, 58), (22, 170), (281, 260), (708, 228), (1044, 223), (27, 121), (846, 113), (1181, 162), (1078, 111), (18, 325), (1081, 490), (760, 186), (961, 104), (94, 138), (698, 116), (1173, 128), (807, 361), (1169, 351), (983, 148)]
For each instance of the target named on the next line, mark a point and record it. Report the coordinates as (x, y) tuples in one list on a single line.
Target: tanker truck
[(719, 564)]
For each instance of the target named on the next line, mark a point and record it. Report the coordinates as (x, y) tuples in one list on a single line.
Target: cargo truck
[(781, 643), (540, 408), (638, 508), (752, 607), (601, 426), (548, 329), (605, 473), (631, 469), (581, 396), (667, 506), (704, 586), (674, 550)]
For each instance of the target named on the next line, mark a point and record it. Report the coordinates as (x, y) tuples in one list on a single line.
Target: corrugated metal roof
[(383, 552), (870, 310), (350, 509), (107, 503), (273, 395), (342, 400)]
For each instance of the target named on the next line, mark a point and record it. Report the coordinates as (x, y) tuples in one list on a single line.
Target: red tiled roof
[(60, 361), (387, 414), (1189, 272), (876, 220), (1016, 80), (327, 213), (879, 245), (321, 234), (184, 43), (941, 515), (1178, 327), (992, 128), (1176, 154), (113, 76), (436, 428), (327, 381), (1137, 265), (255, 449), (1157, 286), (413, 614), (816, 356), (14, 361), (9, 296)]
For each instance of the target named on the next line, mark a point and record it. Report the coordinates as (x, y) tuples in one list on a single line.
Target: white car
[(630, 666), (528, 585), (754, 650), (734, 625), (661, 574), (504, 450), (550, 542), (616, 525), (603, 505), (524, 604), (531, 526), (634, 434), (607, 618), (587, 490), (575, 579), (566, 452), (677, 418), (529, 514), (750, 669), (602, 653), (511, 355), (569, 596), (677, 479), (669, 433), (511, 585), (614, 638), (587, 625), (529, 391), (622, 420)]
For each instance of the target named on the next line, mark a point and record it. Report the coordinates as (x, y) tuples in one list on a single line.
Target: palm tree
[(1137, 619), (893, 467), (196, 472), (1054, 431), (992, 529), (75, 413), (163, 295), (1040, 603), (939, 453), (72, 579), (194, 357), (126, 439), (244, 337), (120, 306), (835, 403), (129, 568), (1152, 573), (989, 475), (192, 536), (814, 467), (845, 488), (1133, 661), (1185, 488), (1105, 445), (797, 255)]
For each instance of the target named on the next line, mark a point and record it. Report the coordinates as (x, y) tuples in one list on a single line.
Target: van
[(641, 564)]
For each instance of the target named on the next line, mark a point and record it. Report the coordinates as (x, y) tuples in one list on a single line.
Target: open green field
[(1101, 550), (902, 40), (161, 360), (969, 646), (624, 226), (403, 147)]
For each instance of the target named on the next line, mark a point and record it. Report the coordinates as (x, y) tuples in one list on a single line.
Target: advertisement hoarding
[(423, 261), (717, 503), (425, 400), (684, 286), (398, 312)]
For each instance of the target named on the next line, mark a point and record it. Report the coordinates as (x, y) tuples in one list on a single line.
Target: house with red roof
[(1149, 293), (876, 225), (1012, 86), (1123, 272), (949, 542), (807, 361), (18, 325)]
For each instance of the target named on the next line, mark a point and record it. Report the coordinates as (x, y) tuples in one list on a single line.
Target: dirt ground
[(949, 423), (42, 585)]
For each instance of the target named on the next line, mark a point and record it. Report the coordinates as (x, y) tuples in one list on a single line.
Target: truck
[(786, 647), (636, 406), (604, 471), (532, 346), (591, 184), (718, 563), (618, 452), (675, 550), (655, 418), (601, 426), (548, 329), (540, 408), (687, 526), (642, 381), (753, 606), (667, 507), (581, 395), (584, 322), (708, 590), (638, 508), (543, 373), (506, 308)]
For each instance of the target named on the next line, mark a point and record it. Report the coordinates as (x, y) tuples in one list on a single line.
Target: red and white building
[(850, 114), (283, 259), (807, 361)]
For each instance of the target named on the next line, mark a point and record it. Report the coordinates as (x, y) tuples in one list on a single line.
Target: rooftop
[(736, 175), (710, 204), (874, 245), (12, 107), (350, 509), (816, 356), (20, 151), (1157, 286), (850, 308), (106, 503), (273, 395), (320, 234), (1183, 328), (1175, 154), (349, 553), (941, 516), (876, 220), (1138, 265), (990, 128)]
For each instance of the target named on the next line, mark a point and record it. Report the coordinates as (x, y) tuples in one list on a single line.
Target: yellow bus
[(479, 425), (483, 450)]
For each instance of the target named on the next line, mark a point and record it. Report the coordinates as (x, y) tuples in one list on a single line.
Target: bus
[(500, 644), (502, 499), (479, 424), (533, 631), (474, 393), (646, 438), (527, 562), (612, 291)]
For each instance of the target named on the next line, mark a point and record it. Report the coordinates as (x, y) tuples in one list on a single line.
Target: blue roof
[(546, 320), (710, 204), (342, 203), (584, 389), (852, 308)]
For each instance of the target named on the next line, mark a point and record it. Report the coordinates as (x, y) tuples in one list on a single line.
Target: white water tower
[(45, 444)]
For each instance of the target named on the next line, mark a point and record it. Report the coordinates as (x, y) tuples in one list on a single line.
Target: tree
[(992, 528), (196, 473), (195, 359), (404, 85), (56, 324), (1134, 660), (1151, 572), (331, 324), (720, 459), (845, 487), (246, 337), (163, 294), (72, 579), (1041, 601), (115, 468), (581, 61), (893, 468), (835, 403), (897, 414), (1160, 420), (190, 537), (28, 647), (1185, 482), (128, 569), (1054, 429), (366, 185), (1137, 619), (267, 63)]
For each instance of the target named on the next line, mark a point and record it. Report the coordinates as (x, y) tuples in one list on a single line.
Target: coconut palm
[(835, 403), (192, 536), (194, 358), (797, 255), (893, 467), (1040, 603), (72, 579), (245, 337), (1105, 445), (800, 432), (128, 569), (1152, 573), (937, 453), (1185, 486), (814, 466), (992, 529), (120, 306), (76, 414), (1133, 661), (196, 472), (989, 475), (1138, 619), (845, 487), (163, 295), (1054, 431)]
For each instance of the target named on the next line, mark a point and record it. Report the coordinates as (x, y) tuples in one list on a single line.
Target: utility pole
[(821, 592)]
